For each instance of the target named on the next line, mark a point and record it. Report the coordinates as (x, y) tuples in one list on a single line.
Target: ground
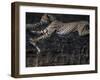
[(57, 50)]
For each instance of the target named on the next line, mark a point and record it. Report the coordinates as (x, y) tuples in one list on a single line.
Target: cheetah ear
[(52, 18), (45, 15)]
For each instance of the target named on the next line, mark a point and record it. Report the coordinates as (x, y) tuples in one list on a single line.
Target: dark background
[(69, 49), (35, 17)]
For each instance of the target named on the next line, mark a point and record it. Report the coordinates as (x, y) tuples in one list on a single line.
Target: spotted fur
[(61, 28)]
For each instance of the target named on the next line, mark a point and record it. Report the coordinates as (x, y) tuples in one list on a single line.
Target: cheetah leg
[(83, 31)]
